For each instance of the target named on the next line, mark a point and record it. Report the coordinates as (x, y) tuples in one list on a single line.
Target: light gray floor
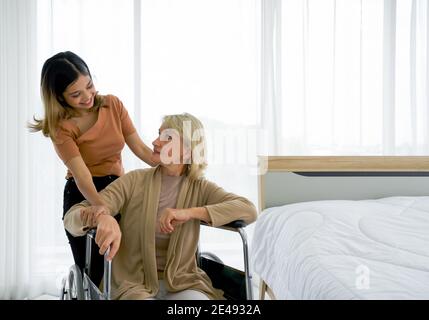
[(46, 297), (255, 288)]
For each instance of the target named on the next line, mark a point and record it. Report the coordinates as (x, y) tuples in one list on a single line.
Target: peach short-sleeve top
[(100, 147)]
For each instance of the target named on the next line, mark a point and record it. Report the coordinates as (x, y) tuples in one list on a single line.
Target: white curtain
[(266, 77), (26, 230), (354, 77)]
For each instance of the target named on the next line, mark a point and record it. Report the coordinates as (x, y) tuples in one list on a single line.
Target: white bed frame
[(284, 180)]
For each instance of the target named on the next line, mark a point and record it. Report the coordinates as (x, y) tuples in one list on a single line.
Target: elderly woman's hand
[(170, 218), (108, 234)]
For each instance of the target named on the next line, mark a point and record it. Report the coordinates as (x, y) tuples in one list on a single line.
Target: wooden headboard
[(289, 179)]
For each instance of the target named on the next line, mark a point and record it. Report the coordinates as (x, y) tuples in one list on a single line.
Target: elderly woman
[(161, 212)]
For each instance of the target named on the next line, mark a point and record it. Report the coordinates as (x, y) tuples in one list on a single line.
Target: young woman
[(161, 211), (89, 132)]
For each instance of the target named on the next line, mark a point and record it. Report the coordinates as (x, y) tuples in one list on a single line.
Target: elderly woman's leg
[(163, 294)]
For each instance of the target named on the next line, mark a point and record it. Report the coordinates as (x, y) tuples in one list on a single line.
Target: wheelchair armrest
[(236, 224), (232, 226)]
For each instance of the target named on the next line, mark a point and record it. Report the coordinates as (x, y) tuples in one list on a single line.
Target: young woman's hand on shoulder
[(89, 215)]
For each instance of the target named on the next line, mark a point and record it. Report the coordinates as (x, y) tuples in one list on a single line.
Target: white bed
[(375, 248)]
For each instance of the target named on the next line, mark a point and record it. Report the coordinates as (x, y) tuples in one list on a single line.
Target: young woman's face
[(81, 93)]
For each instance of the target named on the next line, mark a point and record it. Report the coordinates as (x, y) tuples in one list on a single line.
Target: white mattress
[(370, 249)]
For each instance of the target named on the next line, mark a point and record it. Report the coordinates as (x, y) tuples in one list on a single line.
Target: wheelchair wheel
[(230, 280), (72, 288), (63, 292)]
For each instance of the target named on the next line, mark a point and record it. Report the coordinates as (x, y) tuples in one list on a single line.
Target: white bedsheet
[(370, 249)]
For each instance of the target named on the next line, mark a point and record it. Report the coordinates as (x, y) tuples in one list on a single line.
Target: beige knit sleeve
[(72, 221), (224, 207), (115, 195)]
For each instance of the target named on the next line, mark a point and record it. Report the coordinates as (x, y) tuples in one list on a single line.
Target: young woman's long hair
[(58, 73)]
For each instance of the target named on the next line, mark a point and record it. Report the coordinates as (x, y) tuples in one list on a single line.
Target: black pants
[(72, 196)]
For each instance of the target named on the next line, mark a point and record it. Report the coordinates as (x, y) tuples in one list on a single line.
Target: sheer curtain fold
[(271, 76), (413, 73), (425, 87), (389, 76), (17, 83), (32, 242)]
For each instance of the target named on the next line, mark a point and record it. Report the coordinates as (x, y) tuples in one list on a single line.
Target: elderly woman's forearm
[(200, 213)]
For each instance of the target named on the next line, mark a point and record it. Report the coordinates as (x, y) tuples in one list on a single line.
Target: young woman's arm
[(83, 180), (139, 148)]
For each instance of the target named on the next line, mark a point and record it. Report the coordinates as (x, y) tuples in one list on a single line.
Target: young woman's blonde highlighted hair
[(58, 73), (191, 130)]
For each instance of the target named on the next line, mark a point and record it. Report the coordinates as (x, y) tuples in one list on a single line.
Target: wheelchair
[(236, 284), (78, 286)]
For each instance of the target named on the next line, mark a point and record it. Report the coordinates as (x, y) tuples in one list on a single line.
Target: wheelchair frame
[(238, 226), (78, 286)]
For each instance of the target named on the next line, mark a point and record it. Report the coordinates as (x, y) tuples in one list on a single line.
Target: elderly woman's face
[(168, 147)]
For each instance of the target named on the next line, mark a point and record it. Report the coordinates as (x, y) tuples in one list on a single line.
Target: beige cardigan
[(136, 196)]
